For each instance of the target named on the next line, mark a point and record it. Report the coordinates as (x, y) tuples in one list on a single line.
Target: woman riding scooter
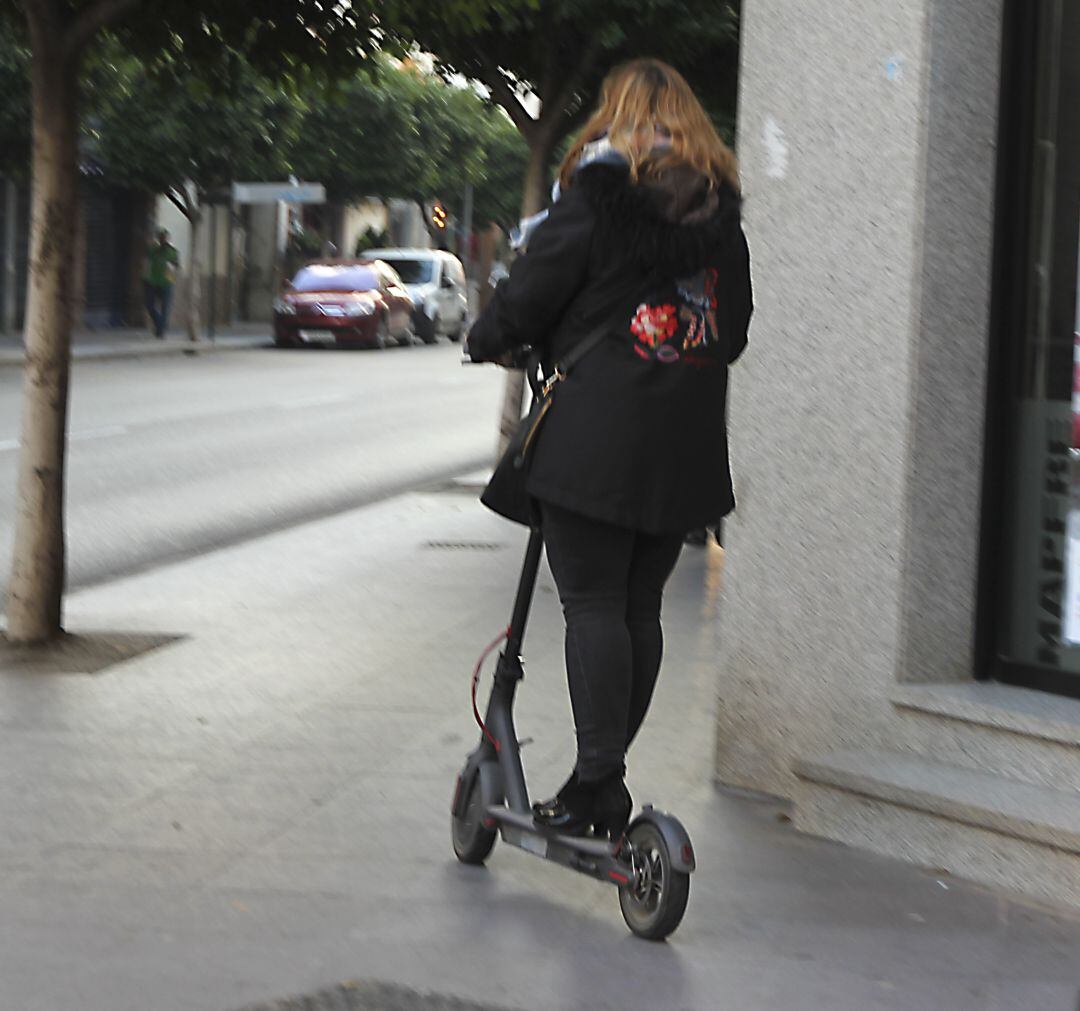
[(633, 453)]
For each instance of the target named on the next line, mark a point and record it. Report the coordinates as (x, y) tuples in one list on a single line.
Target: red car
[(344, 302)]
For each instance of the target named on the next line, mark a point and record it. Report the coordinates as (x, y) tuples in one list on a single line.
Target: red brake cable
[(476, 682)]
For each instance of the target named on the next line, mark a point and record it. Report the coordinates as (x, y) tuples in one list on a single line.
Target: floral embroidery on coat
[(668, 333), (699, 309), (655, 325)]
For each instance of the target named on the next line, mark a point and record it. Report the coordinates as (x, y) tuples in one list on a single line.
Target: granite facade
[(867, 140)]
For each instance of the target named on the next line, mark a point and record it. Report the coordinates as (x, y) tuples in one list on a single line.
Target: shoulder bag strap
[(592, 339)]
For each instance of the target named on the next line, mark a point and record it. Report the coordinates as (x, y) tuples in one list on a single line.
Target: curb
[(15, 359)]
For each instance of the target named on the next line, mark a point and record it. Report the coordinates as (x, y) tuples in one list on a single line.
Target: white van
[(435, 280)]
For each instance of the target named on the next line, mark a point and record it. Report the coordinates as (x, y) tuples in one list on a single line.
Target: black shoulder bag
[(505, 492)]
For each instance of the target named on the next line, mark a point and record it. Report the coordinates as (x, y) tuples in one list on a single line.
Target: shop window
[(1036, 620)]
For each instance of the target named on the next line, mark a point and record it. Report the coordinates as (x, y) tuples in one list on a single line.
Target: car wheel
[(382, 332), (424, 327)]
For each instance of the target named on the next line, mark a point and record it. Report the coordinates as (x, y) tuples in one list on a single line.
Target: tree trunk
[(425, 220), (487, 241), (138, 240), (78, 278), (533, 200), (245, 257), (37, 576), (535, 190), (193, 285), (335, 230), (10, 278), (513, 395)]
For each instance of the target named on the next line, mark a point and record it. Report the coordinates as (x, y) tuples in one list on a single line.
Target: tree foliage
[(451, 122), (15, 104), (498, 188), (359, 138), (401, 132), (559, 51), (155, 124), (543, 62), (160, 125)]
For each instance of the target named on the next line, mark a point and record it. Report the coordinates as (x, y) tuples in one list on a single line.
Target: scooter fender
[(671, 830), (491, 784), (492, 791)]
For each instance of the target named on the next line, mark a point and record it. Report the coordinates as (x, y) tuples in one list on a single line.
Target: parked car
[(343, 302), (436, 282)]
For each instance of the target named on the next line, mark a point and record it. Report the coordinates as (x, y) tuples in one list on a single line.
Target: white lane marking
[(108, 431), (319, 401), (105, 432)]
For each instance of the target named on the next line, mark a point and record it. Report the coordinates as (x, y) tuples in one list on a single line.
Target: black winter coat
[(637, 434)]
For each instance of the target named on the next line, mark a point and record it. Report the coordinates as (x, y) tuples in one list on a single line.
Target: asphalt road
[(173, 457)]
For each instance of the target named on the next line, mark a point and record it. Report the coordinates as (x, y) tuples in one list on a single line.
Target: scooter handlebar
[(525, 358)]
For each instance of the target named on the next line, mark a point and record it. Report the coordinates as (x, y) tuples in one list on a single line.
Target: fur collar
[(639, 218)]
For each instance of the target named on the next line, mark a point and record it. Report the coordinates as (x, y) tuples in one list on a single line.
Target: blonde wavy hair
[(637, 99)]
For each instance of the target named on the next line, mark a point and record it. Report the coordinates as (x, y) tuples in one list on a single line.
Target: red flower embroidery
[(654, 324)]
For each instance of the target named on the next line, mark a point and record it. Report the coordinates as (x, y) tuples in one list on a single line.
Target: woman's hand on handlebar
[(516, 358)]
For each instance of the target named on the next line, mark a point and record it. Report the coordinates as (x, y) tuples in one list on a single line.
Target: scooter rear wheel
[(654, 902), (471, 838)]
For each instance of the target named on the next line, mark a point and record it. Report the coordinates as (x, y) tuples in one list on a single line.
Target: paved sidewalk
[(134, 342), (258, 809)]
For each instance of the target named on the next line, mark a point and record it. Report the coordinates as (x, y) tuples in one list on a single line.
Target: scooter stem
[(526, 585), (508, 672)]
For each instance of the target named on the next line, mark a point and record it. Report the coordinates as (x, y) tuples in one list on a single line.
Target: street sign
[(272, 193)]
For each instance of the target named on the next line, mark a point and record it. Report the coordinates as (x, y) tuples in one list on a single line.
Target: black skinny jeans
[(610, 581)]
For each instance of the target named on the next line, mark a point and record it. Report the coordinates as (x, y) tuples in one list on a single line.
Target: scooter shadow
[(581, 950)]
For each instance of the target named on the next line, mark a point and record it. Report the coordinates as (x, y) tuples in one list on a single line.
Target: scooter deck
[(596, 857), (583, 844)]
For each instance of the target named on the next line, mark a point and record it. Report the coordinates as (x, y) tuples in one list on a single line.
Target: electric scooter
[(650, 863)]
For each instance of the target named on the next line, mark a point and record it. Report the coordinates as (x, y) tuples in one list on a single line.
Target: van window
[(412, 271)]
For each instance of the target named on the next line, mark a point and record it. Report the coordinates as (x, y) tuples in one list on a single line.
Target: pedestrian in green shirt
[(162, 262)]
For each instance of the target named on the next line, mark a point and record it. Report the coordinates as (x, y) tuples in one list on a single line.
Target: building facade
[(901, 634), (110, 230), (242, 252), (246, 251)]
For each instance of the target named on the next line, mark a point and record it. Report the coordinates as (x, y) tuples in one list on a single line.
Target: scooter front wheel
[(472, 839), (654, 901)]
